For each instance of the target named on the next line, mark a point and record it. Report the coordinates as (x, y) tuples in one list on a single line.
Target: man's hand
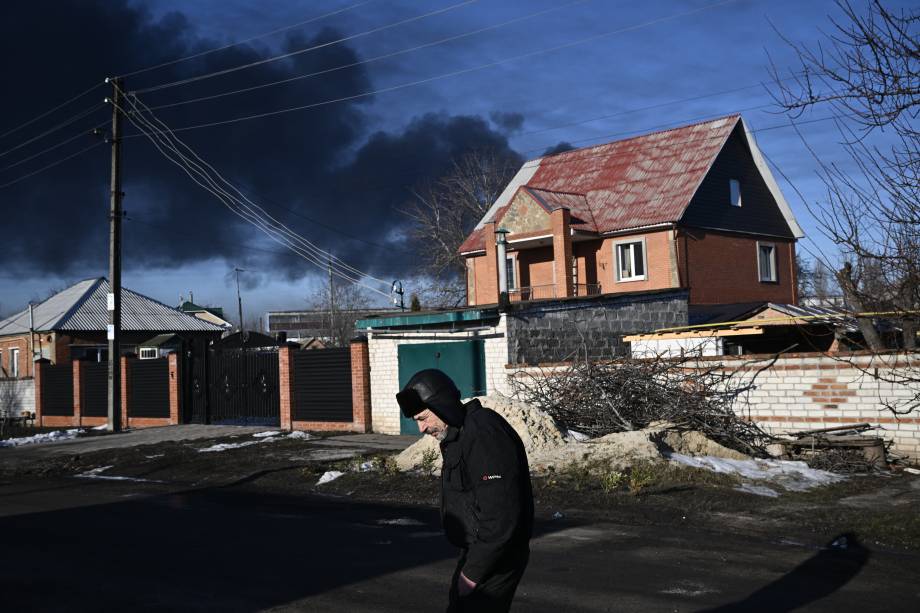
[(464, 585)]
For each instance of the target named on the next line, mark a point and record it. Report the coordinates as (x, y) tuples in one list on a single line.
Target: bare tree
[(443, 212), (339, 306), (868, 71)]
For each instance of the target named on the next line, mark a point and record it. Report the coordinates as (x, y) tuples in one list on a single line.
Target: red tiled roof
[(640, 181)]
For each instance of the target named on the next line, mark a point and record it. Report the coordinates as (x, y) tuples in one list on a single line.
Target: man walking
[(486, 497)]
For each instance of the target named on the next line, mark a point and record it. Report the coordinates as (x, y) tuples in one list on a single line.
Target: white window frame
[(774, 276), (616, 260), (734, 191), (156, 353), (514, 282), (14, 362)]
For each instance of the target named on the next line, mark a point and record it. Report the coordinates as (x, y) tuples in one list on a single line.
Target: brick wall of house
[(658, 257), (722, 268), (535, 270), (384, 367), (812, 391), (7, 344)]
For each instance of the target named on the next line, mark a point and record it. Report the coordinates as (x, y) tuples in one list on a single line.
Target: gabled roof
[(633, 183), (83, 307)]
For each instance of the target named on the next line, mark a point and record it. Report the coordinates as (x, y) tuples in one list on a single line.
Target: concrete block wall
[(551, 331), (384, 366)]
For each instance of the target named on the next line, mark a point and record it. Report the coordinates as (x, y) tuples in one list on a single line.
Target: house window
[(149, 353), (509, 272), (630, 260), (14, 363), (734, 188), (766, 262)]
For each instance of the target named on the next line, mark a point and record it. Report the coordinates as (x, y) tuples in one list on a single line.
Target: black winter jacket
[(486, 497)]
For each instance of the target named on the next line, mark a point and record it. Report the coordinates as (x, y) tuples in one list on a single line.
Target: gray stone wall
[(552, 331)]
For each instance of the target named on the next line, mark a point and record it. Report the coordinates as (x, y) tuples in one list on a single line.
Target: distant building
[(316, 324), (214, 315)]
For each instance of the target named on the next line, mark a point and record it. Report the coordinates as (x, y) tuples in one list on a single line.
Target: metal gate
[(463, 361), (57, 390), (322, 385), (94, 389), (149, 396), (242, 388)]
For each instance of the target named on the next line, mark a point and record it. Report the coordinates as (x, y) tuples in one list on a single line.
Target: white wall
[(676, 347), (384, 363), (16, 396)]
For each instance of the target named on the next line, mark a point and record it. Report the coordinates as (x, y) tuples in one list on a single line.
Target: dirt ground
[(880, 509)]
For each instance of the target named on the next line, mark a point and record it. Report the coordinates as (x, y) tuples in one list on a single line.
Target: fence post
[(77, 393), (125, 390), (40, 365), (174, 387), (361, 384), (286, 384)]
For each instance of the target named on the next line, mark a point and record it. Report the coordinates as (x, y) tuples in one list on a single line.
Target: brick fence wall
[(810, 391)]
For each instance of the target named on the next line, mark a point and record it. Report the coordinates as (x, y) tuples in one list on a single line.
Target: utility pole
[(114, 298), (239, 300), (331, 304)]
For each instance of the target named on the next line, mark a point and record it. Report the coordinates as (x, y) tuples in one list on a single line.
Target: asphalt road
[(86, 545)]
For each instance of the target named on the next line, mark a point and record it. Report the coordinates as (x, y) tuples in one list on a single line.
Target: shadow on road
[(213, 550), (819, 576)]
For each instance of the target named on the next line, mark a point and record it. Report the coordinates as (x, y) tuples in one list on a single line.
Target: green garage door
[(463, 361)]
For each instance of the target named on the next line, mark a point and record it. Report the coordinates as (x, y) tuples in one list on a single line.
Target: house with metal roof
[(693, 208), (72, 325)]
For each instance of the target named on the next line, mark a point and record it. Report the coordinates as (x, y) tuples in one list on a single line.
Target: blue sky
[(647, 60)]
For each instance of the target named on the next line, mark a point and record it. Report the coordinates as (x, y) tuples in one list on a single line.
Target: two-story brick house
[(694, 208)]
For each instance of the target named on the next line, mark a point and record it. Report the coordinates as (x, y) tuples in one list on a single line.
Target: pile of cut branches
[(602, 397)]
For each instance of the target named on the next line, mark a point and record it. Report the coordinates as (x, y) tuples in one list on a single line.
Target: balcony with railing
[(544, 292)]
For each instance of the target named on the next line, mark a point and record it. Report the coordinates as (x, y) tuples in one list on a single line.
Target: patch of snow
[(44, 437), (574, 435), (102, 427), (791, 475), (365, 467), (95, 473), (329, 475), (758, 490), (300, 434), (266, 434), (226, 446), (912, 471), (402, 521), (156, 455)]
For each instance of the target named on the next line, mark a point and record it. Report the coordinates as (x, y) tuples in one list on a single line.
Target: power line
[(48, 112), (49, 131), (275, 58), (453, 73), (51, 165), (240, 204), (247, 40), (371, 60), (81, 134)]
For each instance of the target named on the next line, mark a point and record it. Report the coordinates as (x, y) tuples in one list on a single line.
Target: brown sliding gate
[(149, 395), (94, 389), (57, 390)]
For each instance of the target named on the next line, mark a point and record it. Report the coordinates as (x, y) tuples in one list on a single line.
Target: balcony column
[(562, 252), (489, 285)]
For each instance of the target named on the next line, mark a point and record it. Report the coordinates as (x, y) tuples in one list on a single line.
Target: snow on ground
[(792, 476), (329, 475), (96, 473), (44, 437), (101, 427), (402, 521), (261, 437)]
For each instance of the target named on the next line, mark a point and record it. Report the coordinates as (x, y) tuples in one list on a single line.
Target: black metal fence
[(149, 388), (322, 385), (94, 389), (57, 390), (243, 388)]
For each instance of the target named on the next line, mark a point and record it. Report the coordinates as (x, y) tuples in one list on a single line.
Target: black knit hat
[(432, 389)]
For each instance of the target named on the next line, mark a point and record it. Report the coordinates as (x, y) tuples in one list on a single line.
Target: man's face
[(429, 423)]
